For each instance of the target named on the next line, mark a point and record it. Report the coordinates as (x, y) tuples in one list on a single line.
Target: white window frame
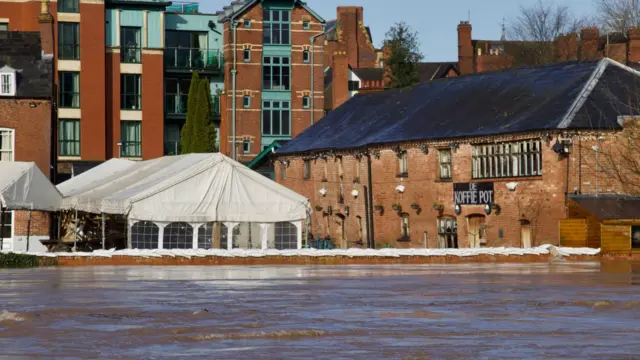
[(13, 214), (506, 160), (10, 88)]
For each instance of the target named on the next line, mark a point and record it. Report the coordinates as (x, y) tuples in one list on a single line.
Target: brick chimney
[(589, 43), (386, 52), (340, 83), (465, 48), (566, 47), (46, 28), (633, 46), (349, 20)]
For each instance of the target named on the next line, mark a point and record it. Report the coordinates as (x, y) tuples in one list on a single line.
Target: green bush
[(12, 260)]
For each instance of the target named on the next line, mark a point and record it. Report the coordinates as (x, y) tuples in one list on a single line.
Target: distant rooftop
[(183, 7)]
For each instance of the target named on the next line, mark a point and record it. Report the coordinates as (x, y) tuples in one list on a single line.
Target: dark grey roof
[(238, 7), (436, 70), (576, 95), (610, 207), (22, 52), (369, 74)]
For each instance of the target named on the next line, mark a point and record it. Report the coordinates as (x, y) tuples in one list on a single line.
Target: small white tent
[(24, 187), (186, 195)]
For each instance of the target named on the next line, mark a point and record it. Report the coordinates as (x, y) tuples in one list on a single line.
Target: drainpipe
[(370, 183), (234, 23), (313, 95)]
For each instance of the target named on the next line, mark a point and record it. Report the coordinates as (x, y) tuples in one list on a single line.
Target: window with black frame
[(130, 92), (130, 44), (69, 89), (69, 6), (276, 73), (276, 118), (68, 41), (131, 138), (69, 137), (276, 27), (178, 235)]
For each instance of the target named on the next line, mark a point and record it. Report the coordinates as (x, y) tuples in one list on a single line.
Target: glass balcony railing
[(190, 59), (183, 7), (172, 147), (176, 104)]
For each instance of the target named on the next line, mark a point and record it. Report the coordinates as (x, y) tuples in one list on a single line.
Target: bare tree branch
[(618, 15)]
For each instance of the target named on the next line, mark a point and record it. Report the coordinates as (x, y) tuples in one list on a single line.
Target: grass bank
[(13, 261)]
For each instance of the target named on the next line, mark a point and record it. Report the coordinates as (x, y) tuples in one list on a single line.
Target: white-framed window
[(404, 226), (7, 144), (7, 82), (512, 159), (444, 158), (403, 163)]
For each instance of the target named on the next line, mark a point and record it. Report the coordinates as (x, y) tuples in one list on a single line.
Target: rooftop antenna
[(503, 37), (469, 16)]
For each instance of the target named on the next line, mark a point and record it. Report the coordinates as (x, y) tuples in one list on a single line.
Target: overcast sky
[(435, 20)]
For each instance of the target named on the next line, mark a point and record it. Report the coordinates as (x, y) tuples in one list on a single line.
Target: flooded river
[(541, 311)]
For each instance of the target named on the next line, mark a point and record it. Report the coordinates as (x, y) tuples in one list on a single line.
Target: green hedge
[(12, 260)]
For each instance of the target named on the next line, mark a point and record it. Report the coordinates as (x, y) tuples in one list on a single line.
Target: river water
[(486, 311)]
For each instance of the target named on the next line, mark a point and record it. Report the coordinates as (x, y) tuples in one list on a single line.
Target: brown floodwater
[(477, 311)]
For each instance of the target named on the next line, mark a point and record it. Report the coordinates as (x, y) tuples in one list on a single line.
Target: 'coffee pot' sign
[(473, 193)]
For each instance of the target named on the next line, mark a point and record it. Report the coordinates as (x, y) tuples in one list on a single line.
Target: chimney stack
[(633, 47), (465, 48), (340, 83), (46, 28), (589, 43)]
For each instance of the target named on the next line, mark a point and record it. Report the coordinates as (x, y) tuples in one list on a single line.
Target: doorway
[(340, 231), (476, 230), (525, 233)]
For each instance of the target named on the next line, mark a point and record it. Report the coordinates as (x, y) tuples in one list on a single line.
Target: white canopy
[(189, 188), (24, 187)]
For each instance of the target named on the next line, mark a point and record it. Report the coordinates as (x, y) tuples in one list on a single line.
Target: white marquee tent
[(181, 201)]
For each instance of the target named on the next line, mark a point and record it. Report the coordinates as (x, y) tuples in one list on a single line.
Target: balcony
[(193, 59), (176, 105), (183, 7)]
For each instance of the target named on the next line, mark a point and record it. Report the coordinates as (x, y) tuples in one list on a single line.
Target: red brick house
[(26, 118), (470, 161)]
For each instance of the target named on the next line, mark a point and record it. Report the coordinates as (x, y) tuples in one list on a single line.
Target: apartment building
[(273, 74)]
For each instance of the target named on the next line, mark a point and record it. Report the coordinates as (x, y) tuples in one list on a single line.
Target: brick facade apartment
[(408, 168), (26, 117)]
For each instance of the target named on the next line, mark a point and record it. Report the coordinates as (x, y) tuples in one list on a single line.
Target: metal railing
[(176, 104), (188, 59), (183, 7)]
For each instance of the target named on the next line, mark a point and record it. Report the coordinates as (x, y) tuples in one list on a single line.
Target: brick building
[(489, 55), (269, 58), (418, 167), (26, 117)]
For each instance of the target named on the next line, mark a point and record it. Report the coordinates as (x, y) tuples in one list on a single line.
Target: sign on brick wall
[(473, 193)]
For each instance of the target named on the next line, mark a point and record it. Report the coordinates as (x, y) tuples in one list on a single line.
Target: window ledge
[(508, 179), (69, 158), (403, 175)]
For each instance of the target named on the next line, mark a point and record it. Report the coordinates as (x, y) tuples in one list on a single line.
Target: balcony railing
[(172, 147), (176, 104), (189, 59), (183, 7)]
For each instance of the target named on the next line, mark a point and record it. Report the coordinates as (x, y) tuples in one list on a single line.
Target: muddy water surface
[(541, 311)]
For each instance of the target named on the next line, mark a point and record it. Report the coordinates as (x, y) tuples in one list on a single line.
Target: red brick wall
[(152, 106), (92, 82), (113, 102), (465, 49), (32, 131), (353, 38), (23, 16)]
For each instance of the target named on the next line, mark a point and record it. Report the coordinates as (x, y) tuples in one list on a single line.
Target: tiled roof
[(610, 207), (435, 70), (369, 74), (22, 52), (577, 95)]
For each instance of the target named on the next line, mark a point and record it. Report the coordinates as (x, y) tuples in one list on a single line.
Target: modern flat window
[(189, 50), (354, 85), (6, 144), (131, 138), (4, 26), (246, 147), (276, 118), (276, 73), (69, 6), (69, 137), (130, 92), (306, 25), (68, 41), (306, 56), (444, 159), (247, 23), (130, 44), (307, 169), (276, 27), (8, 84), (305, 102), (69, 89), (512, 159), (403, 163), (247, 55), (246, 101), (176, 95)]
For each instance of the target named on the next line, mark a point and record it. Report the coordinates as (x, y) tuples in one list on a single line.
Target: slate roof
[(576, 95), (237, 7), (436, 70), (369, 74), (22, 52), (610, 207)]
